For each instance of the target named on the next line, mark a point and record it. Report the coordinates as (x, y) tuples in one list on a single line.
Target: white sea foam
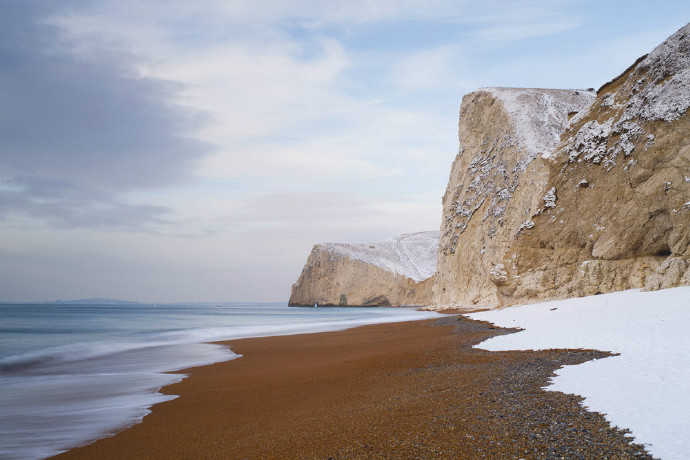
[(63, 402), (91, 352)]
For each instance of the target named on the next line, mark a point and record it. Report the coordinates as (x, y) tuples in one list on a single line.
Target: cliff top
[(655, 88), (662, 88), (541, 115), (412, 255)]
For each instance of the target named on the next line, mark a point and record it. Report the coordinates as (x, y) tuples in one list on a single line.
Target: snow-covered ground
[(647, 387)]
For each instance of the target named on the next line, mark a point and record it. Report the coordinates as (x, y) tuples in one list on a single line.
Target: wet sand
[(401, 390)]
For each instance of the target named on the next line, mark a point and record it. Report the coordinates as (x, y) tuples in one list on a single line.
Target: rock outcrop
[(497, 179), (607, 209), (383, 273)]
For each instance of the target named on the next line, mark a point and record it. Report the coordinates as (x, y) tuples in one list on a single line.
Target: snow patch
[(658, 89), (659, 97), (541, 115), (590, 140), (610, 101), (643, 389), (527, 225), (412, 255), (550, 199)]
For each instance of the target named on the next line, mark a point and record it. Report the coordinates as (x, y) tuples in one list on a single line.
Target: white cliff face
[(604, 210), (496, 180), (619, 175), (389, 272)]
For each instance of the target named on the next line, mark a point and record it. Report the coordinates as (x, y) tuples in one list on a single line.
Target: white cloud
[(429, 68), (276, 113), (514, 31)]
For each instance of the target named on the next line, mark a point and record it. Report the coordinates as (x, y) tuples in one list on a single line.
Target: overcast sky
[(196, 151)]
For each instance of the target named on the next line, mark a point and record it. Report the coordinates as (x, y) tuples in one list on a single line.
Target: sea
[(71, 374)]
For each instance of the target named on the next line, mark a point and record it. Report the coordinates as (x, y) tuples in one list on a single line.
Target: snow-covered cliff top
[(663, 92), (656, 88), (541, 115), (412, 255)]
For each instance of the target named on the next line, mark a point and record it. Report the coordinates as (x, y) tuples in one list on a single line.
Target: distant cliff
[(606, 209), (383, 273)]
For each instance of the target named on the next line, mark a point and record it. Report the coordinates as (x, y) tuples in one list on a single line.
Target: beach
[(402, 390)]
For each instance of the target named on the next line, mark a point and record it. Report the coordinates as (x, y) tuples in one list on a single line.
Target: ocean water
[(70, 374)]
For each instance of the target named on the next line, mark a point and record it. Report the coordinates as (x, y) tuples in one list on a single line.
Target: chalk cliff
[(606, 209), (496, 182), (389, 272)]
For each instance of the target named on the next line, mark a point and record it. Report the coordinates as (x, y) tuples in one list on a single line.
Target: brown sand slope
[(405, 390)]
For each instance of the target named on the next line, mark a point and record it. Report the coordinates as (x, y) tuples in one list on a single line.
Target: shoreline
[(395, 390)]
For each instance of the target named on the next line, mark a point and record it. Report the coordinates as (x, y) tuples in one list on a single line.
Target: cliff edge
[(383, 273)]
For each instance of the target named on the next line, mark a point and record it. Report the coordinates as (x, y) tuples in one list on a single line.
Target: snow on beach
[(643, 389)]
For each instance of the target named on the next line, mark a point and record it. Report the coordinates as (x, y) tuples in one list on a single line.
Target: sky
[(196, 151)]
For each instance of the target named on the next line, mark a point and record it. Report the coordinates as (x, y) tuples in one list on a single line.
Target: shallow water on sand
[(70, 374)]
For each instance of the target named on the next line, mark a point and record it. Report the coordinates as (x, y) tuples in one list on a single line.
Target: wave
[(68, 353), (38, 359)]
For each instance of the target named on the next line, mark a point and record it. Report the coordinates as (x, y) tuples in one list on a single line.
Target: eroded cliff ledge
[(608, 208), (383, 273)]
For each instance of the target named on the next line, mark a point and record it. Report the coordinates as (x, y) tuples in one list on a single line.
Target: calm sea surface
[(70, 374)]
